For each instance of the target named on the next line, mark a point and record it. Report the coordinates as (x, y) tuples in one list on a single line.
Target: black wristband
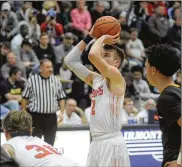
[(87, 39)]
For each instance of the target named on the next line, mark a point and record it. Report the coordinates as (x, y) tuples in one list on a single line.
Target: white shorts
[(108, 151)]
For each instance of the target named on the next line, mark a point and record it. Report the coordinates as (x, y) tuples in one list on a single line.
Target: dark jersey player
[(163, 61)]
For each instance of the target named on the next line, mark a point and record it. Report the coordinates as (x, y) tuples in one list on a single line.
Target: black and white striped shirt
[(43, 94)]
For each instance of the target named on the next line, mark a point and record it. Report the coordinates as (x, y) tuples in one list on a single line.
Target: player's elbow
[(91, 56)]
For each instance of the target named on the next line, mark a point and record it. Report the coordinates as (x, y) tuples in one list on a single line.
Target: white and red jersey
[(32, 151), (106, 108)]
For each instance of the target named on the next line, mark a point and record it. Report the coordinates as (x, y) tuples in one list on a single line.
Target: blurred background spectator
[(11, 89), (27, 56), (12, 62), (63, 49), (135, 49), (81, 19), (9, 21), (129, 112), (142, 116), (52, 28), (72, 114), (23, 12), (158, 25), (44, 50), (16, 42), (98, 11)]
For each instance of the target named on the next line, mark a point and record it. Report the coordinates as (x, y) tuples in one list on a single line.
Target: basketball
[(106, 25)]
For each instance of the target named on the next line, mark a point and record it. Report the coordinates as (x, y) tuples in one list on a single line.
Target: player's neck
[(163, 82)]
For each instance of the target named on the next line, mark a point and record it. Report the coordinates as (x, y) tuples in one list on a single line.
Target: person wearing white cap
[(9, 21), (123, 21)]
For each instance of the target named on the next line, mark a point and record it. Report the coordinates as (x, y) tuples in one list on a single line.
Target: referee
[(41, 97), (162, 63)]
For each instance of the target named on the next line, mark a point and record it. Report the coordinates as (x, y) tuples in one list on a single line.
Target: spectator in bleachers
[(129, 111), (174, 34), (135, 49), (9, 21), (158, 25), (121, 5), (65, 77), (171, 9), (63, 49), (141, 15), (11, 89), (123, 41), (150, 104), (122, 21), (44, 50), (34, 27), (141, 88), (152, 5), (176, 13), (12, 62), (98, 11), (70, 117), (23, 12), (16, 5), (64, 71), (52, 28), (27, 56), (5, 49), (81, 19), (17, 39), (64, 15)]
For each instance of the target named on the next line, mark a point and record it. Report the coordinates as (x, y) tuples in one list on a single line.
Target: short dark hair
[(133, 30), (43, 34), (165, 58), (13, 70), (27, 42), (119, 52), (136, 69), (6, 44), (125, 35)]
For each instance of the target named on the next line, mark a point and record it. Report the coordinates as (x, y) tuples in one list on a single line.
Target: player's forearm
[(96, 48), (73, 61)]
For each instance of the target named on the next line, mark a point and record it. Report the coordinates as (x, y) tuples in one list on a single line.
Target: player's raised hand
[(91, 32), (110, 40)]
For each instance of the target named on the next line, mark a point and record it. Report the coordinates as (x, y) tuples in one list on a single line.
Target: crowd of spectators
[(35, 30)]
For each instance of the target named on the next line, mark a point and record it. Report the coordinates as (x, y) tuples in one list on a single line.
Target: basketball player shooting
[(108, 148)]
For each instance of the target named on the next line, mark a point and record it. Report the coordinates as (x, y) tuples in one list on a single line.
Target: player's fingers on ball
[(114, 41), (117, 35)]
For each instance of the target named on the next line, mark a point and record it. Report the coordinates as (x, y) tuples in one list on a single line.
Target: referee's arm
[(26, 95)]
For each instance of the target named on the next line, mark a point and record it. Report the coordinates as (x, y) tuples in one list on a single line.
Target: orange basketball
[(106, 25)]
